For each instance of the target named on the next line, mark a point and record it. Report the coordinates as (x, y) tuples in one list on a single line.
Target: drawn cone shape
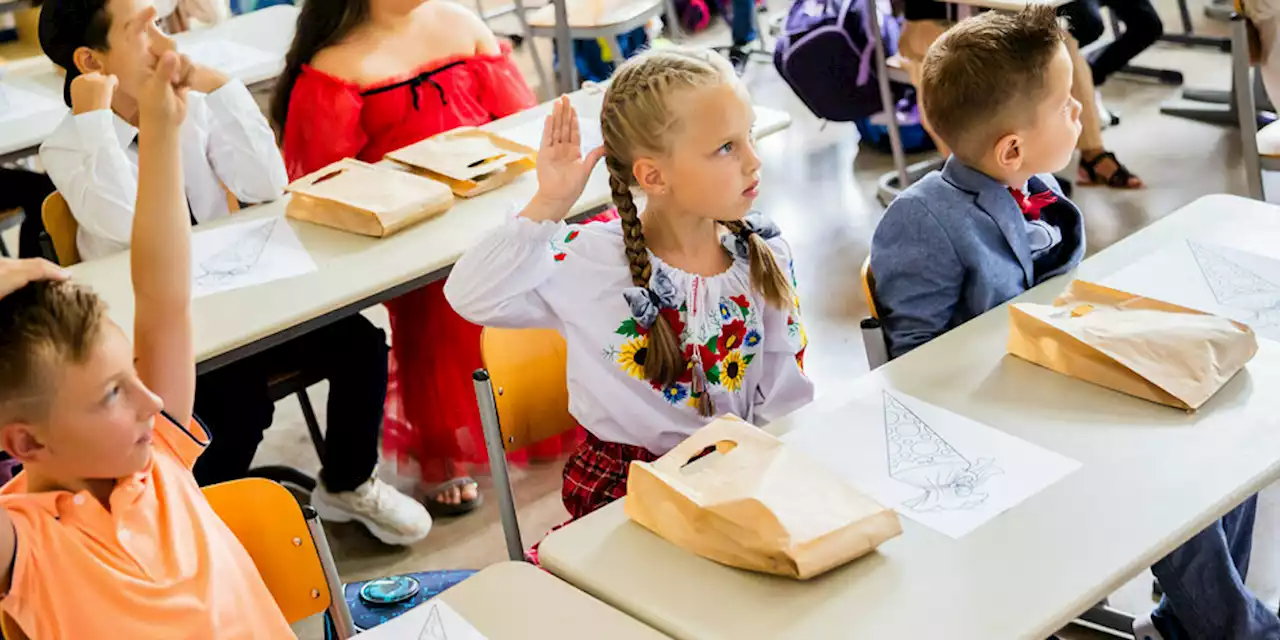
[(918, 456), (1228, 280), (239, 257), (434, 628)]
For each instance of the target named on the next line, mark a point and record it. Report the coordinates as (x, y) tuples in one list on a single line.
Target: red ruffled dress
[(432, 422)]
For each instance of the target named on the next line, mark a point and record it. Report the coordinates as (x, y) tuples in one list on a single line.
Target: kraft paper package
[(1146, 348), (366, 199), (471, 161), (761, 506)]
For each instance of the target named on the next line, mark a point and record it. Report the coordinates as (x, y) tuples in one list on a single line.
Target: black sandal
[(1119, 179), (446, 509)]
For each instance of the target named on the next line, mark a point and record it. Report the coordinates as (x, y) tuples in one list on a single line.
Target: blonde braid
[(767, 278)]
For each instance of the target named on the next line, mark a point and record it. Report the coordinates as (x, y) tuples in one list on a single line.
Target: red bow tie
[(1031, 205)]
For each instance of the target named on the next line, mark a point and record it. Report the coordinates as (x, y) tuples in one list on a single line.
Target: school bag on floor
[(826, 53)]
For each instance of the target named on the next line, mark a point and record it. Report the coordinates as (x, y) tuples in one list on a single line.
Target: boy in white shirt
[(107, 48)]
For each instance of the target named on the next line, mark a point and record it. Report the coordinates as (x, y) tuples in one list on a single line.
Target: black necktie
[(190, 213)]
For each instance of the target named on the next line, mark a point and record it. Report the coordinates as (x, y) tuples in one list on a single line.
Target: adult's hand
[(16, 274)]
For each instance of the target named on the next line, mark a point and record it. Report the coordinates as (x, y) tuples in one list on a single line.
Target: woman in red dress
[(365, 77)]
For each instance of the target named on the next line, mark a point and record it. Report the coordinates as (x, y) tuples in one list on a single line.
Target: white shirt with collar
[(226, 141)]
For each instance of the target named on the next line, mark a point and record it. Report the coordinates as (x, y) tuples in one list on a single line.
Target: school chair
[(1228, 108), (873, 338), (288, 547), (591, 20), (523, 399), (1244, 94), (61, 227)]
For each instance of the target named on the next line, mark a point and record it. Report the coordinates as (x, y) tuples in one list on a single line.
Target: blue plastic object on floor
[(367, 615)]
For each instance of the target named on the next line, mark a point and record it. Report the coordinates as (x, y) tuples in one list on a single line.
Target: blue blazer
[(954, 245)]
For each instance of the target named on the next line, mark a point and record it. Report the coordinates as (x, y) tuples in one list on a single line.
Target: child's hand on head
[(163, 99), (92, 92), (16, 274), (562, 169)]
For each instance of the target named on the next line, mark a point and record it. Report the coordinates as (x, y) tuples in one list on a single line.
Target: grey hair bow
[(646, 302), (755, 223)]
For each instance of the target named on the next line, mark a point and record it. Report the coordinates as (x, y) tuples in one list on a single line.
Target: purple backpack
[(827, 54)]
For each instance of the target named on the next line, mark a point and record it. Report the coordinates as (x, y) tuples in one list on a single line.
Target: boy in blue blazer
[(993, 223)]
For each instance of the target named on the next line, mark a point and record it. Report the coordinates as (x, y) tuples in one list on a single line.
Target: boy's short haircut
[(67, 25), (986, 75), (42, 325)]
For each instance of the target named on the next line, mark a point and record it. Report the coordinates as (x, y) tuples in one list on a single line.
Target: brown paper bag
[(366, 199), (1140, 346), (471, 161), (761, 505)]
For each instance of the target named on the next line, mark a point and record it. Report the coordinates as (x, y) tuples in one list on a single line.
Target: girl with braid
[(672, 315)]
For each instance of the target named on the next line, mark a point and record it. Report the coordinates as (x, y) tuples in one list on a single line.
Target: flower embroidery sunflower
[(753, 338), (632, 355), (733, 370), (731, 336), (675, 394)]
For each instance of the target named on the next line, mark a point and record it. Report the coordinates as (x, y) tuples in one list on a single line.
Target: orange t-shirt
[(159, 564)]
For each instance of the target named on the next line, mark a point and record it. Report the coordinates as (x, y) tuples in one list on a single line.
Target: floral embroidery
[(632, 355), (732, 336), (675, 393), (557, 246), (734, 369), (726, 314), (753, 338)]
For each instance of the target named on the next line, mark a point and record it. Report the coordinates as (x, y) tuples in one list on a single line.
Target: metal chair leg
[(339, 612), (498, 464), (1245, 114), (548, 89)]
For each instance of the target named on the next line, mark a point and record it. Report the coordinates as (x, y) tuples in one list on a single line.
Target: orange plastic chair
[(61, 227), (523, 399), (287, 544), (873, 339)]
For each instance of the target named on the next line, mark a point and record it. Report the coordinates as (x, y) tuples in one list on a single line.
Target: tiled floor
[(820, 187)]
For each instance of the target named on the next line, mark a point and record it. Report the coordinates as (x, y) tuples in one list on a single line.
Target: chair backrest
[(267, 520), (527, 370), (869, 287), (61, 227)]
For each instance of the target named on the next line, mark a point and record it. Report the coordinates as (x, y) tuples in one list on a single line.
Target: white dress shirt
[(93, 162), (573, 278)]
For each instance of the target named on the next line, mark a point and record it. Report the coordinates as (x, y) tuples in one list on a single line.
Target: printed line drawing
[(434, 628), (239, 258), (1227, 279), (918, 456), (1236, 286)]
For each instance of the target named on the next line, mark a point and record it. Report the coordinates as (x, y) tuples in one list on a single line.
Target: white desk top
[(351, 267), (1151, 478), (516, 601), (270, 30)]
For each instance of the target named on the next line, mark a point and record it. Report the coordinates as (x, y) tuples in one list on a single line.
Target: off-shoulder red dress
[(431, 420)]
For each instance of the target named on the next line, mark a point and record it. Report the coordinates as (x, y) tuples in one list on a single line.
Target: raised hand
[(562, 169), (92, 91), (16, 274)]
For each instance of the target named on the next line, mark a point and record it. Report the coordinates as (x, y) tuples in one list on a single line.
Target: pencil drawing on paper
[(238, 258), (919, 457), (434, 628), (1236, 286)]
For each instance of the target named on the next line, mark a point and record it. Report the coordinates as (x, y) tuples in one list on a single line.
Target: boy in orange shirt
[(106, 528)]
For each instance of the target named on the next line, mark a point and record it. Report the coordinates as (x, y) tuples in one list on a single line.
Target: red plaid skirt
[(596, 474)]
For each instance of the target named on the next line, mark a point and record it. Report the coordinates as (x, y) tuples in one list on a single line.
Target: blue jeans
[(1203, 583), (744, 22)]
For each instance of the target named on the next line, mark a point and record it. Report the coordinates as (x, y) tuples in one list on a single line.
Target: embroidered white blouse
[(572, 278)]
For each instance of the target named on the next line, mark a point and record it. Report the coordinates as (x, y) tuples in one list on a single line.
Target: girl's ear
[(87, 60), (649, 176)]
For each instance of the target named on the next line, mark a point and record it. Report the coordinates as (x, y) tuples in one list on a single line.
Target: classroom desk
[(269, 29), (1151, 477), (355, 271), (516, 601)]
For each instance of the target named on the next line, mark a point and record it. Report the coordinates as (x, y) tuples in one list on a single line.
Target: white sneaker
[(391, 516), (1105, 118), (1145, 629)]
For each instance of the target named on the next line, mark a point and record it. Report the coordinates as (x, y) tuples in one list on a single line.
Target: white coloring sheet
[(246, 254), (940, 469)]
